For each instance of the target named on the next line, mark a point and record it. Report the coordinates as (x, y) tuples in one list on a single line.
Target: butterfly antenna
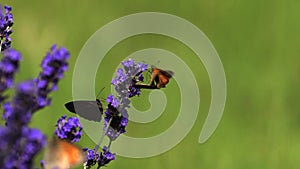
[(158, 62), (100, 92)]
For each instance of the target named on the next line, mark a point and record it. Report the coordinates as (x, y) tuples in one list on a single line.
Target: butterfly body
[(90, 110)]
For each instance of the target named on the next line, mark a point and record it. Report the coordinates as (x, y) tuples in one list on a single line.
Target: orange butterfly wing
[(163, 76)]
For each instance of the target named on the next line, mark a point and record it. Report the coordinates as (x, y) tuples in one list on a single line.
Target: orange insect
[(160, 78), (61, 155)]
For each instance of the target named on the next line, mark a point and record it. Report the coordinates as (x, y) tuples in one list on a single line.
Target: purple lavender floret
[(9, 65), (125, 79), (18, 112), (6, 22), (54, 65), (69, 129), (105, 157), (118, 122), (113, 101), (32, 142), (117, 126), (94, 158)]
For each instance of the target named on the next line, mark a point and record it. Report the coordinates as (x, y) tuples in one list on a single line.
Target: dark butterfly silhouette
[(88, 109), (160, 78)]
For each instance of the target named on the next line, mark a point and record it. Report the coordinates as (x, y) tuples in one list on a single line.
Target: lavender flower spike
[(124, 81), (53, 65)]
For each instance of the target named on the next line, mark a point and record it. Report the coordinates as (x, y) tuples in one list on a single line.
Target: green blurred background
[(257, 41)]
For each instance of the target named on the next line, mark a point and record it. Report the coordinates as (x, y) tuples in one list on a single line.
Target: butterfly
[(159, 79), (88, 109), (62, 155)]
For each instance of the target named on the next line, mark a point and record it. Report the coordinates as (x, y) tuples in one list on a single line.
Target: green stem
[(1, 44), (109, 144), (102, 136)]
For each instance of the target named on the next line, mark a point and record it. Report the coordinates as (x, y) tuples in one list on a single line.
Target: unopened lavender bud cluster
[(6, 23), (9, 65), (68, 129), (93, 157)]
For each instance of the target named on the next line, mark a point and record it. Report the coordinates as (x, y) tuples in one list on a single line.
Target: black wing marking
[(167, 73), (89, 110)]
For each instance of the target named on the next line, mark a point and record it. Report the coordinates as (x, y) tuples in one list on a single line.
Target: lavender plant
[(19, 143), (116, 115)]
